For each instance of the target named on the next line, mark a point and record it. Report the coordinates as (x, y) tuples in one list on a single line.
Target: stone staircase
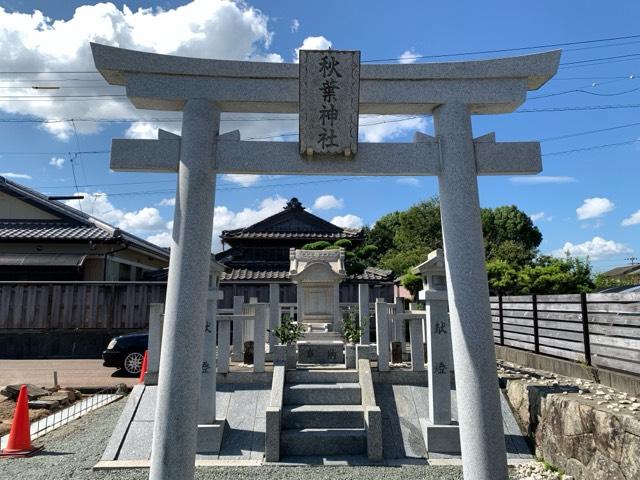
[(322, 414)]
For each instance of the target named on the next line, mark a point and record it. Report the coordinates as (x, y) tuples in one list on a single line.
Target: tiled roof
[(34, 230), (297, 235), (246, 274), (372, 274)]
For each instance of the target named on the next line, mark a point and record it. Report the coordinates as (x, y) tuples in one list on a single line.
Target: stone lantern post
[(440, 432)]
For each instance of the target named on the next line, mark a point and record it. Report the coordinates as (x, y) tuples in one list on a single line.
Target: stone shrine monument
[(317, 275), (452, 92)]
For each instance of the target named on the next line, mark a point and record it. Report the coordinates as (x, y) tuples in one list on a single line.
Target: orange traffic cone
[(143, 370), (20, 435)]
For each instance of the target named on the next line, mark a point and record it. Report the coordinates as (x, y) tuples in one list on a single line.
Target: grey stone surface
[(382, 332), (181, 359), (272, 437), (210, 437), (259, 329), (363, 352), (224, 339), (322, 376), (439, 355), (350, 356), (373, 425), (122, 426), (323, 393), (440, 438), (320, 352), (207, 398), (481, 429), (363, 313), (274, 313), (322, 416), (322, 441), (417, 347), (329, 91), (164, 82), (155, 341), (238, 328)]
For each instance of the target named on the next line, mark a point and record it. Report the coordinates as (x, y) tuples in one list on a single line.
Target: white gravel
[(71, 452)]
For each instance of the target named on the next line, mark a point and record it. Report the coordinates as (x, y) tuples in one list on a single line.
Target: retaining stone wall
[(588, 430)]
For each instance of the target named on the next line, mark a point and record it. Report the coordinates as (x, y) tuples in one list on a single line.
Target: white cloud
[(56, 162), (295, 25), (410, 181), (378, 128), (161, 239), (634, 219), (245, 180), (537, 216), (328, 202), (202, 28), (594, 208), (348, 221), (542, 179), (312, 43), (226, 219), (146, 219), (596, 249), (16, 176), (167, 202), (409, 56)]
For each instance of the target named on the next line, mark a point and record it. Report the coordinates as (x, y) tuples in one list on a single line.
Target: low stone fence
[(589, 431)]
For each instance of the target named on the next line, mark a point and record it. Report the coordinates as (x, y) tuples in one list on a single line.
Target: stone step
[(322, 376), (323, 394), (322, 416), (324, 441)]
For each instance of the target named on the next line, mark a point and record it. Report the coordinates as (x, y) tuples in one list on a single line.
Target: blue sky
[(583, 200)]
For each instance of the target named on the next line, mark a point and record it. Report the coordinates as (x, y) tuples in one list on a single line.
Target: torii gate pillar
[(480, 419), (175, 427)]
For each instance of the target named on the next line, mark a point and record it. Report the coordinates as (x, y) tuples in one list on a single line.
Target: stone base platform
[(323, 352), (243, 406)]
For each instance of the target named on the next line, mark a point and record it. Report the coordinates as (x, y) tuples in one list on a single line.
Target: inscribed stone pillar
[(438, 355), (382, 334), (155, 341), (399, 334), (207, 405), (238, 329), (274, 313), (224, 343), (261, 313), (181, 360), (363, 312), (417, 347), (480, 416)]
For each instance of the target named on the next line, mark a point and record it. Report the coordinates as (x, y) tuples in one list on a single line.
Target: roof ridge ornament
[(293, 204)]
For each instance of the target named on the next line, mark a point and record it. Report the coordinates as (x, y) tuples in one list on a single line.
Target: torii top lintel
[(166, 82)]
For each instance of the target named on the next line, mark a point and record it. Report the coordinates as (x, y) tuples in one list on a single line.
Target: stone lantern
[(439, 431)]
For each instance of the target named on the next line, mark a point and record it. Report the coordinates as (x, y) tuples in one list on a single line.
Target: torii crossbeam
[(451, 92)]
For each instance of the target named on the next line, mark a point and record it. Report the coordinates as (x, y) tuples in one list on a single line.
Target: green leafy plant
[(351, 328), (288, 331)]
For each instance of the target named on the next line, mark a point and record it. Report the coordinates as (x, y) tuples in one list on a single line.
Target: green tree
[(412, 282), (550, 275), (510, 235)]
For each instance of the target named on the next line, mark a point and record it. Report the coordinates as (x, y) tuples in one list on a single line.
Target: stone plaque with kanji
[(329, 98)]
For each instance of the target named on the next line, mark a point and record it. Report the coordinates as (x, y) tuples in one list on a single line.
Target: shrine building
[(259, 255)]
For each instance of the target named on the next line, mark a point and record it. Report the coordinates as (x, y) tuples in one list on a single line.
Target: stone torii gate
[(451, 92)]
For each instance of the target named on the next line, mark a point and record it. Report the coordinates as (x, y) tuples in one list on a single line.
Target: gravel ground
[(71, 451)]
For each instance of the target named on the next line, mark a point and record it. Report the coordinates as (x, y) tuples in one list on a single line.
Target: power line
[(593, 147), (502, 50), (588, 132)]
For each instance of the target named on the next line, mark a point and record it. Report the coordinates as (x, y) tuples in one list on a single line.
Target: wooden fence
[(77, 305), (598, 329)]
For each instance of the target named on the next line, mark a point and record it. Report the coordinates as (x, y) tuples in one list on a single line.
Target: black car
[(126, 352)]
